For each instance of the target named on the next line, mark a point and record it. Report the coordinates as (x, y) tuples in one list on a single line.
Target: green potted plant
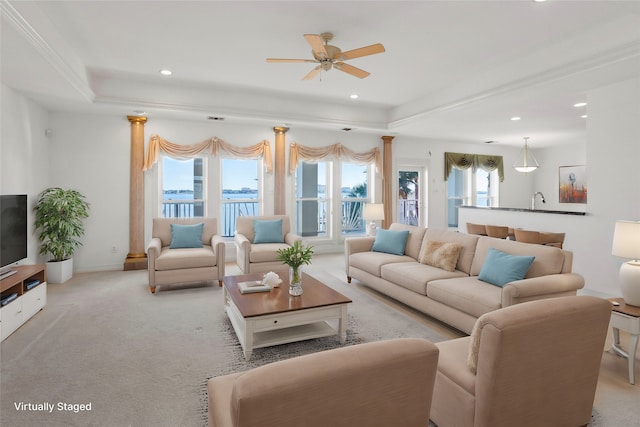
[(59, 214), (295, 257)]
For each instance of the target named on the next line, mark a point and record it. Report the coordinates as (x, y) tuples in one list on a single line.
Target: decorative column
[(387, 181), (136, 258), (279, 173)]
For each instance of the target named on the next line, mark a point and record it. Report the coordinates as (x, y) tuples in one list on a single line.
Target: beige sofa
[(185, 265), (376, 384), (528, 365), (458, 297)]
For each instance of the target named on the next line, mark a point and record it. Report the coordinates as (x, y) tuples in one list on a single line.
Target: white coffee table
[(271, 318)]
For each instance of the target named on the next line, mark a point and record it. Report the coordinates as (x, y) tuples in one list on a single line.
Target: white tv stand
[(28, 302)]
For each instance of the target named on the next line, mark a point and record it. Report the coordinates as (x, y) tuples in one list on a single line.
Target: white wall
[(24, 154), (613, 156)]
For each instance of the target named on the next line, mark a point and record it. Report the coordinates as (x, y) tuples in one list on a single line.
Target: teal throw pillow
[(391, 242), (267, 231), (186, 236), (500, 268)]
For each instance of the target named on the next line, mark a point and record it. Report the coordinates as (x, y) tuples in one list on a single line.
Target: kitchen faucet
[(533, 199)]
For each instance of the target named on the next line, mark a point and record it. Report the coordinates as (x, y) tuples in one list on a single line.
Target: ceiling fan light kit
[(526, 161), (329, 56)]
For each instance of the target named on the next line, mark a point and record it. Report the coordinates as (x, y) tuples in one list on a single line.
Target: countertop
[(524, 210)]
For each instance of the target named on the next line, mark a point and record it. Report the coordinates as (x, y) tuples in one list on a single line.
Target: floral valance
[(473, 161), (212, 146), (315, 154)]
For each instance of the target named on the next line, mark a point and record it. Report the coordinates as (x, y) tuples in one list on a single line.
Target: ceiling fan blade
[(311, 74), (315, 41), (289, 60), (363, 51), (350, 69)]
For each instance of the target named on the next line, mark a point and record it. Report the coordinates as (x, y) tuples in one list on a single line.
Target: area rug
[(369, 321)]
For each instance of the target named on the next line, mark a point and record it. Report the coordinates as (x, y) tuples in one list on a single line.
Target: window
[(354, 191), (409, 197), (240, 183), (183, 189), (312, 201), (466, 187), (318, 185)]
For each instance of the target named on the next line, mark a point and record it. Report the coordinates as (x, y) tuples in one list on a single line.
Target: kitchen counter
[(524, 210)]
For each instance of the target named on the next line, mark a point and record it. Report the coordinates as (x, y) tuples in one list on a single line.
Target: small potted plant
[(59, 214), (295, 257)]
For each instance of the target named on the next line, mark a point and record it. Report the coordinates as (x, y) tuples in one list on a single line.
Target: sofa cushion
[(440, 254), (467, 294), (549, 260), (468, 242), (414, 241), (415, 276), (170, 259), (500, 268), (391, 242), (372, 262), (186, 236), (267, 231), (265, 252)]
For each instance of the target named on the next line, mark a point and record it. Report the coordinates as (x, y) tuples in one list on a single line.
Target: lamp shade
[(626, 239), (373, 212)]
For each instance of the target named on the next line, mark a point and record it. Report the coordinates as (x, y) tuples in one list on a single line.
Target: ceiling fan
[(329, 56)]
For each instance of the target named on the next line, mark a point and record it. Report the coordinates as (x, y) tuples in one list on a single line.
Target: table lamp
[(626, 244), (373, 212)]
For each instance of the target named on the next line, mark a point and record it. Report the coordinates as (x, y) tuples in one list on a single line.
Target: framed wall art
[(573, 184)]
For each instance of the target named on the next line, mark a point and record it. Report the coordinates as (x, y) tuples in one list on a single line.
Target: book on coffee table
[(252, 286)]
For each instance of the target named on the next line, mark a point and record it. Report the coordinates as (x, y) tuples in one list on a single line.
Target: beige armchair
[(532, 364), (252, 256), (184, 265), (378, 384)]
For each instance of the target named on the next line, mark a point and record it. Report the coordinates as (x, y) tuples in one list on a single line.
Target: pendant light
[(526, 162)]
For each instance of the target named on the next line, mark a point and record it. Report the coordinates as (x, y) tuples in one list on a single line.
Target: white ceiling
[(452, 70)]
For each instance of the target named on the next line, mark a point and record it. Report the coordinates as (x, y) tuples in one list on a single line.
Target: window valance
[(299, 152), (473, 161), (212, 145)]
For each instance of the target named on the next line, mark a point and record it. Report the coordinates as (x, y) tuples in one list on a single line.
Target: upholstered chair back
[(162, 228), (244, 224)]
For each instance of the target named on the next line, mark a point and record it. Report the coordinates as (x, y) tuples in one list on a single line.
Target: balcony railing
[(408, 212), (351, 222)]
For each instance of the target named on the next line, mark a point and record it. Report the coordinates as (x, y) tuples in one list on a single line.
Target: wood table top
[(625, 308), (278, 300)]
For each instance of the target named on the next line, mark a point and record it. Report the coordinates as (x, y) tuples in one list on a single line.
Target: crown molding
[(44, 49), (243, 114)]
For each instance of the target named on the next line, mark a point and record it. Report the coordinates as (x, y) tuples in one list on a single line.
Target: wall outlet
[(113, 249)]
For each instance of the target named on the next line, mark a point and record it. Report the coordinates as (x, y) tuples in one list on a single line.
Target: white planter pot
[(59, 272)]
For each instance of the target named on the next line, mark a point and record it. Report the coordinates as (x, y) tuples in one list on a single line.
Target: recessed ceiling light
[(218, 118), (347, 129), (353, 96), (515, 118), (489, 142), (580, 104), (584, 116), (166, 72)]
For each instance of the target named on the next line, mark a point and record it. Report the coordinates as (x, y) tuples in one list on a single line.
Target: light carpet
[(143, 360)]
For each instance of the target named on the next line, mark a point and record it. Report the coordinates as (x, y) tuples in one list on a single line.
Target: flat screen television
[(13, 231)]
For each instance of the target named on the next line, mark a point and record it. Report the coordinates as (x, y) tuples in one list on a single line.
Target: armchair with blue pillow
[(184, 251), (258, 239)]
